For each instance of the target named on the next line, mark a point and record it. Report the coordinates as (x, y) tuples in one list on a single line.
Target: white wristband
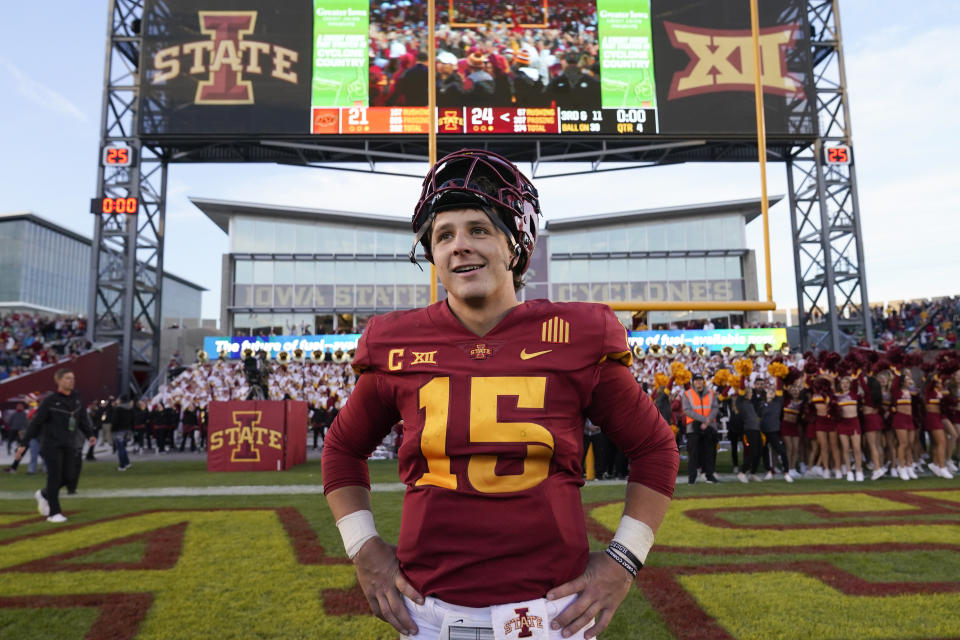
[(636, 536), (355, 529)]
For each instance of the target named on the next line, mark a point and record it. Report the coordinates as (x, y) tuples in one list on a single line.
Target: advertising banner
[(257, 435), (626, 54), (246, 436), (235, 346), (738, 339), (340, 29)]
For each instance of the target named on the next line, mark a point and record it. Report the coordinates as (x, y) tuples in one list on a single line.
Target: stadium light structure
[(126, 264)]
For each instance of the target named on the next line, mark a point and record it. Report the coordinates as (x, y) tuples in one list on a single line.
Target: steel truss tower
[(825, 213), (126, 265)]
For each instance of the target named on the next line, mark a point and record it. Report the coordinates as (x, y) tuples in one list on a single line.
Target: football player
[(493, 394)]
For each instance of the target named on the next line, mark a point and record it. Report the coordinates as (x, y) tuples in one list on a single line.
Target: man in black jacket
[(60, 415)]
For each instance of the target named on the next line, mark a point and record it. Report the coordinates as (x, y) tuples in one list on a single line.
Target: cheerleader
[(950, 371), (871, 400), (902, 422), (848, 426), (933, 423), (824, 427), (790, 425)]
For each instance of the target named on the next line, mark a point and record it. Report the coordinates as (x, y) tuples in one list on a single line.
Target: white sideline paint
[(236, 490), (175, 492)]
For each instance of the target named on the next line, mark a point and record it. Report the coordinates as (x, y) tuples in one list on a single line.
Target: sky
[(903, 87)]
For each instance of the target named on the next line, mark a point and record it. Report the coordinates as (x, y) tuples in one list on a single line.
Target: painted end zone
[(722, 568), (787, 597)]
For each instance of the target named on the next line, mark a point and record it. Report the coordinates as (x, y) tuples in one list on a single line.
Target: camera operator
[(257, 371)]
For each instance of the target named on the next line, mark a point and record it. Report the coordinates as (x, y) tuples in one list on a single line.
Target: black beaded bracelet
[(623, 563), (627, 554)]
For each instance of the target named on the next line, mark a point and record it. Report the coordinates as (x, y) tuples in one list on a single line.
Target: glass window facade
[(339, 274), (41, 267), (11, 259), (265, 235), (574, 276), (685, 234), (44, 267)]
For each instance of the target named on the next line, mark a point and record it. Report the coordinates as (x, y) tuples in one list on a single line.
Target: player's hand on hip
[(600, 588), (378, 573)]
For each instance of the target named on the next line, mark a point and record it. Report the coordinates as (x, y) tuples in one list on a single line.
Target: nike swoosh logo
[(526, 356)]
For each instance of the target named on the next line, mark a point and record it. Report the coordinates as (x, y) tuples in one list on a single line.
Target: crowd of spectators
[(486, 56), (937, 319), (29, 341)]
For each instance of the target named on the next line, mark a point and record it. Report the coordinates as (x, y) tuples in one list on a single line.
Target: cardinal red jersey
[(493, 439)]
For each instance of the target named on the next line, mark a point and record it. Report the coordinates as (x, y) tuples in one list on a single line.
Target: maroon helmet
[(482, 179)]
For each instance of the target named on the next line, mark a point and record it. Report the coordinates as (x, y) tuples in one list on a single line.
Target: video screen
[(541, 67)]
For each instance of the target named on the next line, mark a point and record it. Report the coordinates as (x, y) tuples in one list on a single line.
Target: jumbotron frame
[(127, 263)]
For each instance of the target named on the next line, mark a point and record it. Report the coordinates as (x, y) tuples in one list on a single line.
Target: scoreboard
[(494, 120), (578, 68)]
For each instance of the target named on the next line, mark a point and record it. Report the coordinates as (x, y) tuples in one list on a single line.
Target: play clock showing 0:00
[(108, 205)]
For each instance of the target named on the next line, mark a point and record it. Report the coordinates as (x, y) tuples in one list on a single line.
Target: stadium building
[(46, 268), (315, 271)]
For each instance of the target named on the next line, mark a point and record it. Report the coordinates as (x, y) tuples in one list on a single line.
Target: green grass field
[(815, 559)]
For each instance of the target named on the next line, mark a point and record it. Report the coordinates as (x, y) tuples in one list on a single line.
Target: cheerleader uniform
[(790, 425), (847, 426), (901, 398), (871, 421), (821, 423), (934, 419)]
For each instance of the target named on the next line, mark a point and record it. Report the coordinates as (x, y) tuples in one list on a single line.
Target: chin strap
[(515, 260), (428, 223)]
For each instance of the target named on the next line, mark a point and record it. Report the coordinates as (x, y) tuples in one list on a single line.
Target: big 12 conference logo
[(722, 60), (226, 57)]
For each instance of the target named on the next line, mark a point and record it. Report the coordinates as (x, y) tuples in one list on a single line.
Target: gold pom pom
[(661, 380), (778, 369), (744, 366), (722, 378)]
